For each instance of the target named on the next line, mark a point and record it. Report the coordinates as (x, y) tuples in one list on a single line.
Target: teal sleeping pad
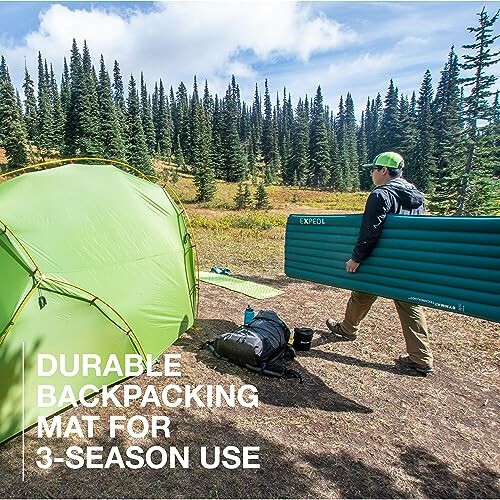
[(449, 263)]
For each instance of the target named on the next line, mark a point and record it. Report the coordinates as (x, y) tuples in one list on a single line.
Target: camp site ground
[(357, 427)]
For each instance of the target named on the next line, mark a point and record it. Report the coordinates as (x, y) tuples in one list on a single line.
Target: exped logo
[(312, 220)]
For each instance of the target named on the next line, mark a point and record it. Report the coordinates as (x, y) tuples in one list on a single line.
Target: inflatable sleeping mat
[(449, 263)]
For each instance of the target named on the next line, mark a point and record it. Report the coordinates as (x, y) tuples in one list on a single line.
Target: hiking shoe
[(405, 360), (336, 329)]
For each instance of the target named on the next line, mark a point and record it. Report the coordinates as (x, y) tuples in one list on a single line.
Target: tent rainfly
[(92, 260)]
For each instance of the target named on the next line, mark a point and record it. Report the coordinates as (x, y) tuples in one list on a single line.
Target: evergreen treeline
[(449, 137)]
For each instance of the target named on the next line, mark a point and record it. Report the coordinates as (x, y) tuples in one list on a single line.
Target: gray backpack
[(258, 346)]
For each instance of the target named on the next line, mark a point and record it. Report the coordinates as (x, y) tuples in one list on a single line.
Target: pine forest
[(448, 130)]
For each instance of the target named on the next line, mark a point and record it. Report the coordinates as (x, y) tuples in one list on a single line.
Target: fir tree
[(82, 127), (204, 177), (267, 128), (335, 176), (477, 188), (349, 146), (261, 197), (362, 145), (179, 155), (119, 99), (297, 170), (234, 164), (423, 166), (58, 114), (180, 118), (216, 157), (45, 124), (137, 149), (30, 111), (110, 130), (147, 118), (163, 125), (389, 122), (318, 144), (13, 137), (91, 144), (243, 198), (450, 154), (256, 123), (65, 87)]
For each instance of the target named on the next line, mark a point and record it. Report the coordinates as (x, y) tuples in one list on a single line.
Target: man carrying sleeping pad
[(392, 195)]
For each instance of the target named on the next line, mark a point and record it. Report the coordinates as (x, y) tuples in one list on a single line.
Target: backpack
[(258, 346)]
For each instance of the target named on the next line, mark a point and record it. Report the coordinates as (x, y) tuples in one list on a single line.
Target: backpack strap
[(275, 370)]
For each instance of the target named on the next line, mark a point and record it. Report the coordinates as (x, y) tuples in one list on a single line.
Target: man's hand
[(351, 266)]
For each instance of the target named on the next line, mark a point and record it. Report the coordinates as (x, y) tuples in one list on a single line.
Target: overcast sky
[(342, 46)]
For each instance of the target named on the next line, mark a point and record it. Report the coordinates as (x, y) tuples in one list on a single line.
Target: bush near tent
[(110, 255)]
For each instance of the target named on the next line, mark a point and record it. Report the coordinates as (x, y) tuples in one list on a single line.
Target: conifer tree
[(297, 167), (335, 176), (216, 157), (119, 99), (389, 122), (243, 197), (273, 170), (364, 174), (423, 164), (136, 146), (477, 188), (449, 151), (58, 114), (65, 87), (234, 164), (407, 131), (179, 156), (110, 130), (261, 197), (267, 129), (13, 137), (318, 144), (349, 146), (181, 120), (208, 102), (30, 111), (45, 124), (204, 178), (256, 123), (163, 125), (373, 127), (90, 120), (147, 118), (82, 129)]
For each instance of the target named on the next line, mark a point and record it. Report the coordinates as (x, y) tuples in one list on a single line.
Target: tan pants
[(412, 320)]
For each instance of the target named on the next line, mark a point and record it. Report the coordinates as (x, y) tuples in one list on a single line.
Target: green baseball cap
[(388, 159)]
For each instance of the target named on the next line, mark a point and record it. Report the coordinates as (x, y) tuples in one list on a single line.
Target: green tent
[(92, 260)]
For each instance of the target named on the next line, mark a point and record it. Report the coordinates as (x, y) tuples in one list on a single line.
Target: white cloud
[(176, 40)]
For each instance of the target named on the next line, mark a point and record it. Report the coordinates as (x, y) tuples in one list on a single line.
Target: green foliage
[(477, 190), (243, 198), (13, 137), (262, 198), (137, 150), (248, 221), (450, 141), (318, 145)]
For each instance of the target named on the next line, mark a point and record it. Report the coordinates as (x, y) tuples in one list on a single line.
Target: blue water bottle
[(249, 315)]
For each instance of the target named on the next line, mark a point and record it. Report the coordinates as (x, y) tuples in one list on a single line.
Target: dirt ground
[(359, 426)]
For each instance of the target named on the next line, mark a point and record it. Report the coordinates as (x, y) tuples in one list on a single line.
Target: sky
[(354, 47)]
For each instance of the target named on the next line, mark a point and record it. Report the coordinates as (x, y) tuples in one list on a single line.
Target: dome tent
[(92, 260)]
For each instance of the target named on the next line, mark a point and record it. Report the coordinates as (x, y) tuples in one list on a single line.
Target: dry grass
[(357, 427)]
